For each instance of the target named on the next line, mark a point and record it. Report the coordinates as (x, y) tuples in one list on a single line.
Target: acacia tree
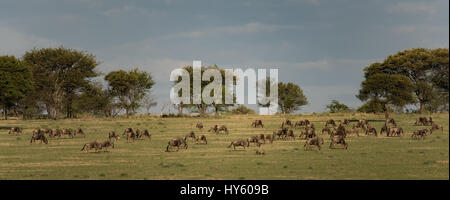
[(149, 101), (290, 97), (129, 87), (15, 82), (202, 107), (385, 88), (421, 66), (58, 74), (336, 106)]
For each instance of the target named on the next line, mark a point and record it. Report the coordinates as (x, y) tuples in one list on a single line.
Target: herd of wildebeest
[(337, 131)]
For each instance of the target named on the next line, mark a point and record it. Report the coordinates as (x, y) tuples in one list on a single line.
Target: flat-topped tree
[(385, 88)]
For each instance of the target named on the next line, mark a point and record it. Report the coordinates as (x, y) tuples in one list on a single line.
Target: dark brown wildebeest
[(345, 122), (371, 130), (60, 133), (16, 130), (338, 140), (113, 136), (423, 121), (352, 131), (106, 144), (308, 133), (48, 131), (391, 121), (130, 134), (265, 137), (190, 135), (290, 134), (199, 126), (287, 122), (326, 129), (202, 139), (38, 135), (436, 127), (176, 142), (316, 141), (145, 133), (217, 129), (419, 134), (67, 132), (79, 131), (280, 133), (394, 131), (92, 145), (257, 123), (302, 123), (238, 142), (253, 139), (339, 131), (330, 121)]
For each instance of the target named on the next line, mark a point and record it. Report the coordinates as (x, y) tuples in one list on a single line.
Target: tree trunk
[(126, 110), (180, 109), (5, 112), (386, 113), (216, 111), (422, 107)]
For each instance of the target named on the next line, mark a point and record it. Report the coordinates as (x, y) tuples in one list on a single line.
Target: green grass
[(367, 157)]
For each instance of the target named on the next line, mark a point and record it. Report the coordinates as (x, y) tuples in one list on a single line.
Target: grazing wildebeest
[(199, 126), (60, 133), (338, 140), (419, 134), (217, 129), (423, 121), (351, 131), (308, 133), (130, 134), (48, 131), (265, 137), (290, 134), (330, 121), (316, 141), (339, 131), (79, 131), (436, 127), (106, 144), (190, 135), (345, 122), (371, 130), (145, 133), (253, 139), (177, 142), (38, 135), (201, 138), (326, 129), (257, 123), (302, 123), (286, 122), (394, 131), (238, 142), (280, 133), (391, 121), (113, 136), (92, 145), (15, 130)]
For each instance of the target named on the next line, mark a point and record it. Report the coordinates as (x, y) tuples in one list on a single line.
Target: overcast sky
[(318, 44)]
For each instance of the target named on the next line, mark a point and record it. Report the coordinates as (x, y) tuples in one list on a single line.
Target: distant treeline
[(64, 83)]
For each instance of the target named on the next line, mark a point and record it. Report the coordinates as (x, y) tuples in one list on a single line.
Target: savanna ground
[(367, 157)]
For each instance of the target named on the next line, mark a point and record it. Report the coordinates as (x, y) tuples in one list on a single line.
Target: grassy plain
[(367, 157)]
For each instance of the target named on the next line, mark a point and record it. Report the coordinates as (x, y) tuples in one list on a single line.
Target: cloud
[(127, 9), (415, 7), (13, 42), (249, 28)]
